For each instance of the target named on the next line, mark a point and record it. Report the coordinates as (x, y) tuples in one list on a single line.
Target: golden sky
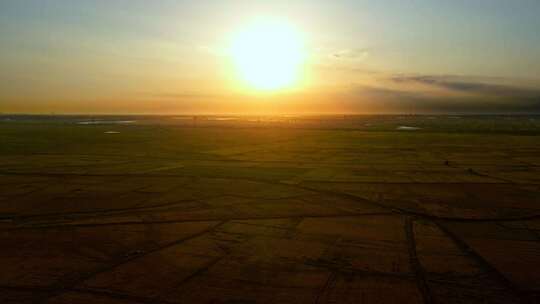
[(257, 57)]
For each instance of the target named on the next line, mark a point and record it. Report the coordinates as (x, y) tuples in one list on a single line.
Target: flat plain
[(334, 209)]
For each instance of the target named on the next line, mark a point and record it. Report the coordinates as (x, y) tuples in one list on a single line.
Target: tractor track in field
[(61, 288), (409, 216), (489, 269), (310, 190)]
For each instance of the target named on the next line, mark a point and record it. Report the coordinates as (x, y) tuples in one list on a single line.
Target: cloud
[(402, 95), (465, 85), (351, 54), (379, 92)]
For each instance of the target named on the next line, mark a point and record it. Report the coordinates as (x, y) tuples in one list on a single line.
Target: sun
[(268, 55)]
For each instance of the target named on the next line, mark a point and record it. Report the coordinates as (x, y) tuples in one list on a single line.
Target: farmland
[(353, 209)]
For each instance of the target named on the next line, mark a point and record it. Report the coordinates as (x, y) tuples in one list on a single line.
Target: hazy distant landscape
[(225, 209)]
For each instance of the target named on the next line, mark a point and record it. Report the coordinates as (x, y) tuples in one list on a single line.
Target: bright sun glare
[(268, 55)]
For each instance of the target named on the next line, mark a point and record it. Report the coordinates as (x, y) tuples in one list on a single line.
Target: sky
[(171, 57)]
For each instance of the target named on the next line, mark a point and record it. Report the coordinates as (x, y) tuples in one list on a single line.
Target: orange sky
[(358, 57)]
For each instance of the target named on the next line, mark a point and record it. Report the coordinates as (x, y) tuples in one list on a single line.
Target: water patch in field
[(223, 118), (105, 122), (407, 128)]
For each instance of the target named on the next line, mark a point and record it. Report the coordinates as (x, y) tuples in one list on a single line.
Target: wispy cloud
[(464, 85), (389, 100), (356, 54)]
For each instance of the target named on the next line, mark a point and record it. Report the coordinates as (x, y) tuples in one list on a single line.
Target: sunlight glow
[(268, 55)]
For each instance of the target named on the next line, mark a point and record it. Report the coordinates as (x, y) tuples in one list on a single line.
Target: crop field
[(352, 209)]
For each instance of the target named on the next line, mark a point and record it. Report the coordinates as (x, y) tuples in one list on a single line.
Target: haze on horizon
[(174, 57)]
